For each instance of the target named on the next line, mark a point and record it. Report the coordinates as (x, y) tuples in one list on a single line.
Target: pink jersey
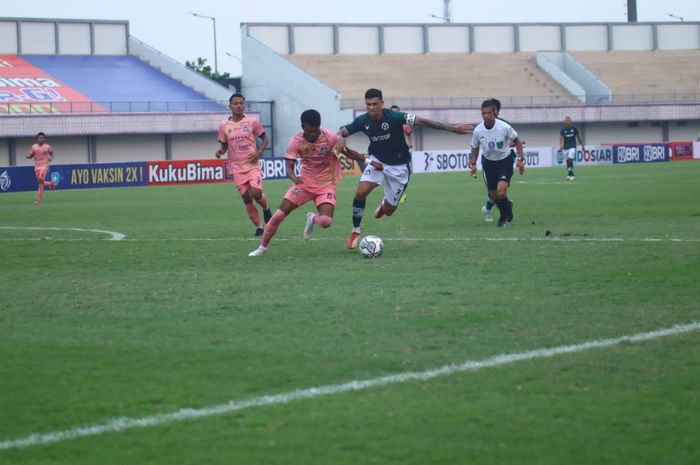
[(42, 155), (240, 137), (319, 165)]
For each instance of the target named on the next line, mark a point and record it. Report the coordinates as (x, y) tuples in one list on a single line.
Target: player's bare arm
[(264, 141), (290, 171), (222, 150), (342, 143), (362, 158), (520, 162), (472, 160), (580, 141), (463, 128), (561, 142)]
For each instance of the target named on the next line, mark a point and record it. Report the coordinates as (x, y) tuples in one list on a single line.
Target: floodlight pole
[(631, 11), (216, 58), (447, 11)]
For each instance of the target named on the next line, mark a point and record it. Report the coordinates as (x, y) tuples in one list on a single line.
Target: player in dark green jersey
[(389, 158), (567, 145)]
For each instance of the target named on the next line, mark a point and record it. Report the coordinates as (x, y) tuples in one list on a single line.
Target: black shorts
[(497, 171)]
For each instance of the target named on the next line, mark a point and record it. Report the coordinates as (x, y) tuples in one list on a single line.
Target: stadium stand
[(637, 75), (465, 78), (122, 83)]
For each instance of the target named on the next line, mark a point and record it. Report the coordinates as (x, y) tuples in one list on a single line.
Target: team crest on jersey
[(499, 144), (229, 131), (246, 128), (385, 126), (492, 144)]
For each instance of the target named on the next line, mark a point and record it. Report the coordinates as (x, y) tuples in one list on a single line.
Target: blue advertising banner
[(641, 153), (22, 178)]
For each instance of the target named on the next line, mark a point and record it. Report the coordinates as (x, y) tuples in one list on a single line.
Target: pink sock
[(41, 193), (323, 221), (253, 214), (271, 227), (264, 203)]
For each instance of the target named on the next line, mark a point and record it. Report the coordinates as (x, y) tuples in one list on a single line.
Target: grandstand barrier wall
[(143, 173)]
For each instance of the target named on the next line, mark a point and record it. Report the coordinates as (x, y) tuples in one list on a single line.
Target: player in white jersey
[(493, 136)]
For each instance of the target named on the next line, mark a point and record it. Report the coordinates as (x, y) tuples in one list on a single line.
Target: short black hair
[(496, 103), (374, 93), (311, 117), (41, 134), (396, 106), (489, 102), (237, 94)]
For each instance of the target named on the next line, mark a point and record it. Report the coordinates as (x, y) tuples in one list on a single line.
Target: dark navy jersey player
[(568, 135)]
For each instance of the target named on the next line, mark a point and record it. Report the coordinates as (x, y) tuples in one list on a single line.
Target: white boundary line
[(122, 424), (113, 235)]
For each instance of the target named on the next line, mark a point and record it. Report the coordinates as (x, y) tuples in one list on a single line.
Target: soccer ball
[(371, 247)]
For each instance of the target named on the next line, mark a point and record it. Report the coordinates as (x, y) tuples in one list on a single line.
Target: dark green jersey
[(386, 136), (569, 135)]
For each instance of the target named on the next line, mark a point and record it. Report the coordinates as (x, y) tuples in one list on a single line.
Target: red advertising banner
[(167, 172), (24, 88), (681, 151)]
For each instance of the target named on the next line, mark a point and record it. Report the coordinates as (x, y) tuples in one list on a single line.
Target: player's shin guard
[(253, 214), (272, 226), (323, 221), (358, 211)]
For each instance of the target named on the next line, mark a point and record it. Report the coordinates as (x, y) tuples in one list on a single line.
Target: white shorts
[(396, 177), (570, 153)]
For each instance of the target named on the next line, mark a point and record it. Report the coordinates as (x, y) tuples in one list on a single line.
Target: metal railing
[(528, 101), (60, 108)]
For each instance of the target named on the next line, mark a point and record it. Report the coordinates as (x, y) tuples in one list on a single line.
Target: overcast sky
[(168, 26)]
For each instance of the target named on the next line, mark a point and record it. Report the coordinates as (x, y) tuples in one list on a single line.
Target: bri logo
[(5, 181), (56, 178)]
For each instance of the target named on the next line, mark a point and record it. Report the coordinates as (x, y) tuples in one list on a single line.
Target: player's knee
[(324, 221), (360, 195)]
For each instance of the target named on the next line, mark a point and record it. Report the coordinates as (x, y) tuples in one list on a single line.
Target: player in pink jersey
[(42, 153), (320, 173), (238, 135)]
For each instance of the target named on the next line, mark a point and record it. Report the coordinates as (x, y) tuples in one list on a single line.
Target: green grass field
[(177, 315)]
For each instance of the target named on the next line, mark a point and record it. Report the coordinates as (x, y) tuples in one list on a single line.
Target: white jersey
[(494, 142)]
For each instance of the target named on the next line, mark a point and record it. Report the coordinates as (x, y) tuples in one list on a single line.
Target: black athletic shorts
[(497, 171)]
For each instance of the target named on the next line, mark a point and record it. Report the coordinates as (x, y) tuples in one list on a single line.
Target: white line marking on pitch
[(122, 424), (113, 235)]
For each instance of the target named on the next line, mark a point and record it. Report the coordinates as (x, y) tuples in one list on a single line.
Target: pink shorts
[(298, 194), (41, 173), (243, 181)]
